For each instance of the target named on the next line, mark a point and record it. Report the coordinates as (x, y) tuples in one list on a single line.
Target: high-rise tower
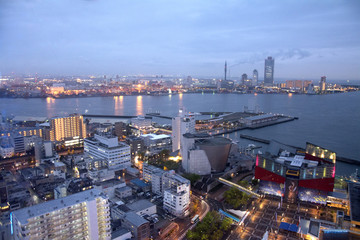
[(322, 84), (225, 71), (269, 71), (183, 123), (255, 77)]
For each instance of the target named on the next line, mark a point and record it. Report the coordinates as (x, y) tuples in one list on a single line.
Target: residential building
[(139, 227), (121, 129), (84, 215), (116, 154), (143, 207), (108, 187), (6, 148), (176, 194), (123, 192), (154, 176), (71, 127)]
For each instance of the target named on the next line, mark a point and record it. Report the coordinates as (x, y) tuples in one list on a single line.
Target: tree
[(243, 183), (164, 154), (209, 228), (225, 224), (235, 197), (254, 182), (192, 177)]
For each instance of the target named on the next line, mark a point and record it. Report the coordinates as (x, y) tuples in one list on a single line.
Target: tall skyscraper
[(183, 123), (322, 84), (244, 79), (255, 77), (269, 71), (225, 70), (83, 215), (62, 128)]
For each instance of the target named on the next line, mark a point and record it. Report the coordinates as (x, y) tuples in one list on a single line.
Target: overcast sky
[(308, 39)]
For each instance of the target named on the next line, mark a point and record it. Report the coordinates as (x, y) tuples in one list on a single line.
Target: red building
[(296, 176)]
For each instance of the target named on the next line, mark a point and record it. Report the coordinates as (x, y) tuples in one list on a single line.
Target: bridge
[(231, 184)]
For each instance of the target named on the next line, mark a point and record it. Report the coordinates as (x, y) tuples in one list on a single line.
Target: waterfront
[(331, 121)]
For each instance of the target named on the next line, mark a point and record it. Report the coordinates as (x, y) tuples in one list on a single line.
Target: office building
[(183, 123), (116, 154), (136, 145), (244, 79), (156, 141), (64, 128), (322, 84), (255, 78), (176, 194), (269, 72), (122, 129), (84, 215)]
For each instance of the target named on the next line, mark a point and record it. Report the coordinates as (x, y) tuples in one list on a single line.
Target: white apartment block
[(180, 125), (154, 176), (83, 215), (116, 154), (176, 194)]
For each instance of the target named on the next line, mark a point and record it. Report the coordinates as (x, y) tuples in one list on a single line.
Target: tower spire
[(225, 70)]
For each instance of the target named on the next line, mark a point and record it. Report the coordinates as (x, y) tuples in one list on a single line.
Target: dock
[(157, 115), (255, 139), (111, 116)]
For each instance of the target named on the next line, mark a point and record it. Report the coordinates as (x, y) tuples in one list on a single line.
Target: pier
[(255, 139), (111, 116), (157, 115)]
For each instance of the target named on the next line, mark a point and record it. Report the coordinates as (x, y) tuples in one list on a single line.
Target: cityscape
[(260, 146)]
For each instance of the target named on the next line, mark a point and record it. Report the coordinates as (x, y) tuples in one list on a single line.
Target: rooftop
[(40, 209), (216, 141), (196, 135), (155, 136), (139, 182), (119, 232), (258, 117), (110, 183), (140, 205), (135, 219)]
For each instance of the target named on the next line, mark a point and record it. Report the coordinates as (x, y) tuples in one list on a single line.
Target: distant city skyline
[(308, 39)]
